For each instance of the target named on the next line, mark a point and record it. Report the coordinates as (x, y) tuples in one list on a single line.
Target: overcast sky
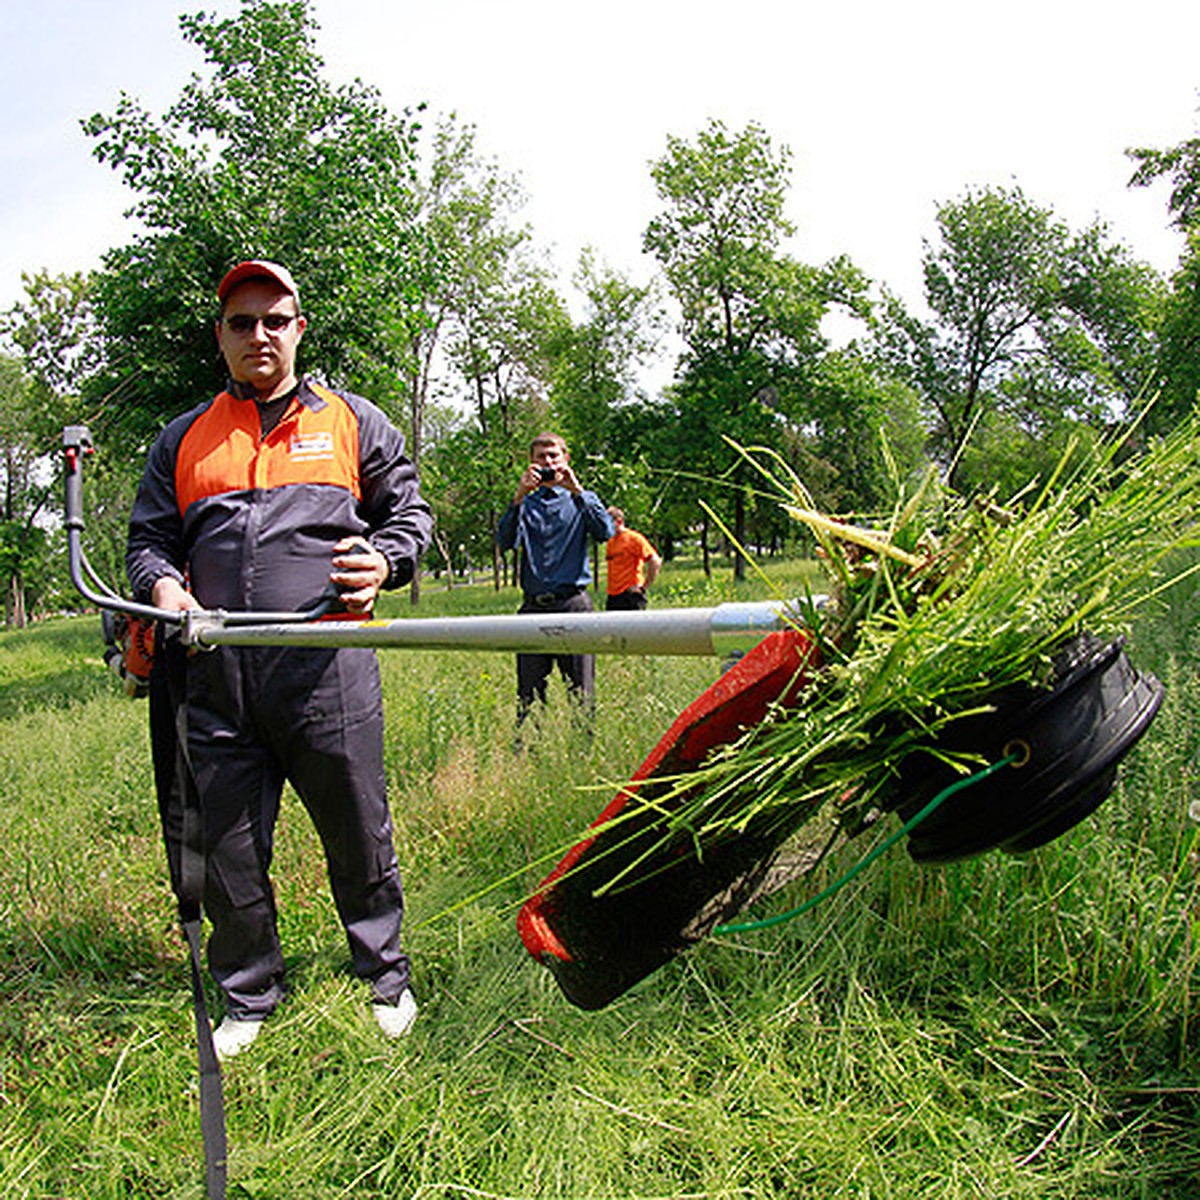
[(888, 108)]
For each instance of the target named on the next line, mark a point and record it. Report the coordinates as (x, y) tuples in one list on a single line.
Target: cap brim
[(257, 269)]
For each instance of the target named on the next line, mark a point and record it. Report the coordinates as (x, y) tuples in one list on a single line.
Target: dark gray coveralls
[(249, 522)]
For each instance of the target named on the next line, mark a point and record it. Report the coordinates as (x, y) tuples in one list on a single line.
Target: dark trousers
[(533, 670), (314, 718), (630, 600)]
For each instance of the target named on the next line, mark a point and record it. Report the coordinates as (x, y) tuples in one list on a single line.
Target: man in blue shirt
[(550, 519)]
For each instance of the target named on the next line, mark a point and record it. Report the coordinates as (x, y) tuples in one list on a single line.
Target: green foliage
[(506, 349), (752, 367), (469, 477), (425, 293), (595, 374), (1050, 327), (472, 253), (260, 157), (1180, 331), (1181, 164), (24, 491), (861, 415), (1102, 349), (1180, 324), (54, 329), (58, 353), (723, 222)]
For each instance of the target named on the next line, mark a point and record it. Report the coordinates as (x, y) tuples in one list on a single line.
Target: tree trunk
[(15, 615), (497, 557), (419, 383), (440, 543)]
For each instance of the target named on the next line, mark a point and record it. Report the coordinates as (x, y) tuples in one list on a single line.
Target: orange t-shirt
[(625, 555)]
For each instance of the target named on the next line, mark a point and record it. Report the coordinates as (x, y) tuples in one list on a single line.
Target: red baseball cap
[(258, 268)]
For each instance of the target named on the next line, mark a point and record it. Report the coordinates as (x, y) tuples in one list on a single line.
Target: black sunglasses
[(272, 322)]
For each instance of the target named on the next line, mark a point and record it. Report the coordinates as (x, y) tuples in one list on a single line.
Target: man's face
[(255, 353), (550, 454)]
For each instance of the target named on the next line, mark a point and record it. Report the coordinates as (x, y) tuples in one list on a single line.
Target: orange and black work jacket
[(249, 522)]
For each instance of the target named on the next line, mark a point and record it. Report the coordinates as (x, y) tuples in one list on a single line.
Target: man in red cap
[(259, 499)]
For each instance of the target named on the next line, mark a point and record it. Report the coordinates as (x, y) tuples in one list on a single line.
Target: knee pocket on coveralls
[(237, 870)]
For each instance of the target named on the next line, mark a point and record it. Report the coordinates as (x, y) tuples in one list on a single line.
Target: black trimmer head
[(1067, 738)]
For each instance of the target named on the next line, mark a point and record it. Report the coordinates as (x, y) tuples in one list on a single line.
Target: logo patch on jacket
[(306, 447)]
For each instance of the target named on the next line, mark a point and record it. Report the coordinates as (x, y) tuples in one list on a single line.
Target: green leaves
[(751, 315), (260, 156), (1033, 328)]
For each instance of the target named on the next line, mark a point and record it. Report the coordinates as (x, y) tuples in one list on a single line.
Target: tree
[(751, 316), (1180, 321), (22, 496), (866, 424), (51, 351), (596, 374), (1027, 318), (595, 380), (504, 348), (457, 196), (55, 329), (509, 323), (1180, 340), (989, 282), (1181, 164), (462, 479), (261, 158), (1099, 351), (466, 207)]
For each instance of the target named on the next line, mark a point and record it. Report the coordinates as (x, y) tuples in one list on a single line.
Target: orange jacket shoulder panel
[(223, 451)]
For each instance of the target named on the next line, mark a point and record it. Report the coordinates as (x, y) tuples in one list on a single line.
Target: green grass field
[(1000, 1027)]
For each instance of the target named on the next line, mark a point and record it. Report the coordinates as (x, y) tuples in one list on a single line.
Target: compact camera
[(547, 474)]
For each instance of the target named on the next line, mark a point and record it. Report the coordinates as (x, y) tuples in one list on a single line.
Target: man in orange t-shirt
[(633, 565)]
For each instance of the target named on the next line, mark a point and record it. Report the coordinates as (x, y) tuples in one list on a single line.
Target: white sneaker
[(396, 1019), (233, 1036)]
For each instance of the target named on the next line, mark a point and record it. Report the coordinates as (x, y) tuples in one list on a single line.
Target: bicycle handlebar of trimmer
[(725, 630), (77, 442)]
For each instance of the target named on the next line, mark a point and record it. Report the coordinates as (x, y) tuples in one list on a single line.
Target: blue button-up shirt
[(552, 527)]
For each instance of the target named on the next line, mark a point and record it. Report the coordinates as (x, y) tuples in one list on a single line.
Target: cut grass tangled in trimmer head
[(957, 632)]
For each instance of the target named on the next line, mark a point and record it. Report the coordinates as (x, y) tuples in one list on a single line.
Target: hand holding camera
[(542, 475)]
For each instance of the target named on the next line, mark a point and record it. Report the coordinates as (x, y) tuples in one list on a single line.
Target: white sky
[(888, 107)]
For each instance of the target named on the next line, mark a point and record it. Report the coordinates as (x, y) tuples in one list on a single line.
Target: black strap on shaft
[(212, 1096), (191, 873)]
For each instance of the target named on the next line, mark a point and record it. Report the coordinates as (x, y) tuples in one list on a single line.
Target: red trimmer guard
[(599, 945)]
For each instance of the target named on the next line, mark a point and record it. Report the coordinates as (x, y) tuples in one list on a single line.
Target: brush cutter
[(764, 639), (633, 892)]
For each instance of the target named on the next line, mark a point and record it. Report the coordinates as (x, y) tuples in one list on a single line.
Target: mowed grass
[(999, 1027)]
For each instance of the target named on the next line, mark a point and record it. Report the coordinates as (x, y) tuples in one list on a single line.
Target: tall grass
[(999, 1027)]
